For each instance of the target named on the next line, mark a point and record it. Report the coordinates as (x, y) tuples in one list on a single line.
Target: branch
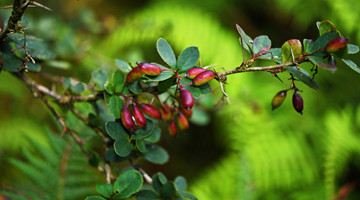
[(146, 176)]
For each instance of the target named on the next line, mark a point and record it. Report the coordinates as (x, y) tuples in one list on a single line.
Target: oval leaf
[(154, 135), (115, 106), (180, 183), (118, 81), (105, 190), (147, 195), (326, 26), (156, 154), (166, 53), (122, 147), (127, 184), (326, 63), (115, 131), (261, 44), (246, 38), (351, 64), (188, 58), (302, 77), (124, 66), (352, 49), (100, 79)]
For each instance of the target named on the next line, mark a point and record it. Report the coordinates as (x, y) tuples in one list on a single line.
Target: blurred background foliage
[(246, 151)]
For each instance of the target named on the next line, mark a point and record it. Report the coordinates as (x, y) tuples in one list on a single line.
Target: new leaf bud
[(336, 44), (134, 75), (151, 111), (193, 72), (278, 99), (187, 100), (204, 77), (149, 69), (127, 119), (298, 102)]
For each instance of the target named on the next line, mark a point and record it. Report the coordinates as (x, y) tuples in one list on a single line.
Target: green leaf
[(162, 178), (180, 183), (352, 49), (141, 145), (122, 147), (162, 76), (166, 53), (109, 88), (154, 135), (245, 46), (156, 154), (128, 183), (307, 43), (302, 77), (147, 195), (115, 131), (326, 26), (168, 190), (246, 38), (11, 62), (135, 87), (118, 81), (67, 83), (351, 64), (326, 63), (145, 131), (272, 54), (188, 58), (322, 41), (205, 88), (261, 44), (166, 84), (78, 88), (34, 67), (115, 106), (100, 79), (157, 185), (186, 195), (111, 156), (291, 49), (95, 198), (106, 190), (123, 66), (195, 91)]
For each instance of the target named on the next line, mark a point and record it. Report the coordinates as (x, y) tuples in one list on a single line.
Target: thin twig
[(146, 176)]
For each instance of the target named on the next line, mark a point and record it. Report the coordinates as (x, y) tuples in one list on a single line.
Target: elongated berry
[(139, 116), (187, 100), (187, 113), (278, 99), (165, 112), (336, 44), (182, 122), (172, 128), (191, 73), (204, 77), (134, 75), (298, 102), (127, 119), (149, 69), (151, 111)]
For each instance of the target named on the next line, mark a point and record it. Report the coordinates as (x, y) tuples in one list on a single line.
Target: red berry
[(149, 69), (134, 75), (191, 73), (278, 99), (298, 102), (172, 128), (127, 119), (165, 112), (204, 77), (336, 44), (182, 122), (187, 100), (151, 111), (139, 116)]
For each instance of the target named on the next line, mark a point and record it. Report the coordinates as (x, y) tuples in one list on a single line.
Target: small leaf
[(195, 91), (124, 66), (326, 26), (115, 131), (78, 88), (322, 41), (166, 53), (168, 190), (106, 190), (110, 155), (352, 49), (180, 183), (128, 183), (205, 88), (122, 147), (166, 84), (147, 195), (261, 44), (326, 63), (188, 196), (115, 106), (162, 76), (118, 80), (141, 145), (351, 64), (143, 132), (154, 135), (34, 67), (291, 49), (272, 54), (109, 88), (246, 38), (135, 87), (188, 58), (95, 198), (307, 43), (156, 154), (302, 77), (156, 183), (100, 79), (11, 62), (245, 46)]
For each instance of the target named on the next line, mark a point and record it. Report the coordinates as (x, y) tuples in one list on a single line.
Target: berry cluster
[(297, 100), (180, 109)]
